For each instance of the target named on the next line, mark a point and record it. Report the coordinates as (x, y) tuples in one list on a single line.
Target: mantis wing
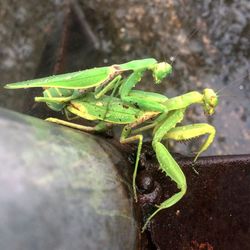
[(77, 80)]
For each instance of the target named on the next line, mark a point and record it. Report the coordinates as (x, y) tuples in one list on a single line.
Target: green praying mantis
[(149, 111), (59, 89)]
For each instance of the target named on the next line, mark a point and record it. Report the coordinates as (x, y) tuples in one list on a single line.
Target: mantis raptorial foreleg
[(145, 100), (192, 131)]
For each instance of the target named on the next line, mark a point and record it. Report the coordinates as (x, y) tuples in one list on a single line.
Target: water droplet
[(172, 58)]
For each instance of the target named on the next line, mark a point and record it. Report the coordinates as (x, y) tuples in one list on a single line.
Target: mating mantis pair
[(152, 111)]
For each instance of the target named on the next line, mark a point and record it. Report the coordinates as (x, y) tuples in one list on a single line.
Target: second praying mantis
[(163, 125)]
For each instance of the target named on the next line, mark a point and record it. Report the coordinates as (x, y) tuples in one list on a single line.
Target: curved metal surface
[(61, 189)]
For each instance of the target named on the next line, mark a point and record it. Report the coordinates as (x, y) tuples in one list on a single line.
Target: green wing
[(77, 80)]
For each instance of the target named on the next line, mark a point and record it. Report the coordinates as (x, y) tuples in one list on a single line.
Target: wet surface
[(212, 215)]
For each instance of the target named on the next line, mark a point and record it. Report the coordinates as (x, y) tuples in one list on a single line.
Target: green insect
[(133, 108), (60, 89), (162, 123)]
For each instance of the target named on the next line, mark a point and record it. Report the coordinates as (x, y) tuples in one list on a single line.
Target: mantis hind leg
[(101, 126)]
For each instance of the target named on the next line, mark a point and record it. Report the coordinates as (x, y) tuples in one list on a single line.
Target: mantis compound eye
[(161, 70), (210, 101)]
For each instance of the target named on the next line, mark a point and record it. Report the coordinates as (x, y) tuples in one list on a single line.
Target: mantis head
[(161, 70), (210, 101)]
